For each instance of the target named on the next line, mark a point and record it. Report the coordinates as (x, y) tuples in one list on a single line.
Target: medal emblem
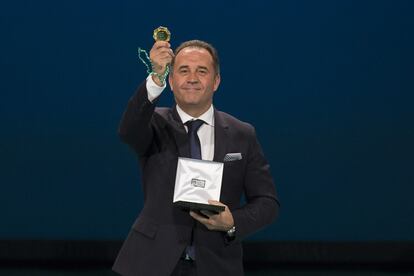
[(162, 34)]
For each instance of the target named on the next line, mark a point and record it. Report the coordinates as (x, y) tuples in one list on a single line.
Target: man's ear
[(170, 81), (217, 80)]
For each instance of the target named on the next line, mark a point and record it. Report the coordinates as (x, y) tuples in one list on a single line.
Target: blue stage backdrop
[(328, 85)]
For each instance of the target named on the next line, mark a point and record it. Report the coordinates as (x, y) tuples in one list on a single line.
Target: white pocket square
[(234, 156)]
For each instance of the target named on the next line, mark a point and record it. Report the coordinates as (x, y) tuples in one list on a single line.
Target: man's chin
[(191, 104), (191, 101)]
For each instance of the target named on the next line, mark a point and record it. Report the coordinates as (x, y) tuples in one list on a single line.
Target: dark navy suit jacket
[(161, 232)]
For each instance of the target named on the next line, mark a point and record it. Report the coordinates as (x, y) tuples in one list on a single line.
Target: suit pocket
[(232, 157), (145, 227), (234, 164)]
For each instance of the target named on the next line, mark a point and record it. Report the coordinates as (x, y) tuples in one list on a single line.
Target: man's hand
[(161, 55), (220, 222)]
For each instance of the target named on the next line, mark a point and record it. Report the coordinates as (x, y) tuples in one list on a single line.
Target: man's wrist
[(153, 89), (157, 80)]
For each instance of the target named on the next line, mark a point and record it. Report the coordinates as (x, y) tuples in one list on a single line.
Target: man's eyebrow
[(198, 67), (183, 66), (202, 67)]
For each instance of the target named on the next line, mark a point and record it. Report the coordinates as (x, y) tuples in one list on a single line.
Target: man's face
[(194, 80)]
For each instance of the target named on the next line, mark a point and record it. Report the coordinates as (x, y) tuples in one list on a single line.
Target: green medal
[(162, 34)]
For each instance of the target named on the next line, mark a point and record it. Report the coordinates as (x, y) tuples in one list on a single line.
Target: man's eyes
[(200, 71)]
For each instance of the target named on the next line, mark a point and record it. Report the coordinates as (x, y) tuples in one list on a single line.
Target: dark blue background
[(328, 85)]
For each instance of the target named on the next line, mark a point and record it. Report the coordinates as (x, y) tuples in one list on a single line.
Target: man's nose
[(192, 79)]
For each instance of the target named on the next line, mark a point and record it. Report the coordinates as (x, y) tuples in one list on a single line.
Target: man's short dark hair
[(203, 45)]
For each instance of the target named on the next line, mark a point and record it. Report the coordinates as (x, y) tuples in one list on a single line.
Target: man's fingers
[(198, 217), (208, 213), (161, 44), (164, 51), (164, 55), (211, 223), (168, 51), (215, 202), (156, 49), (161, 55), (160, 61)]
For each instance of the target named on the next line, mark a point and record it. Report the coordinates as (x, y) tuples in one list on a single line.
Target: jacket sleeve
[(135, 126), (262, 205)]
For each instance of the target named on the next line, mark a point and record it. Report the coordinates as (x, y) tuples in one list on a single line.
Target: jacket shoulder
[(163, 111), (234, 123), (162, 115)]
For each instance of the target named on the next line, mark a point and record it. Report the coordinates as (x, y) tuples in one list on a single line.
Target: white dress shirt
[(205, 132)]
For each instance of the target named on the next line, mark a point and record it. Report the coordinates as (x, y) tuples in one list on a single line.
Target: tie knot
[(194, 125)]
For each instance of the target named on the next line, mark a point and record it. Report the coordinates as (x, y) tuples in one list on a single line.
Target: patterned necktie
[(195, 147)]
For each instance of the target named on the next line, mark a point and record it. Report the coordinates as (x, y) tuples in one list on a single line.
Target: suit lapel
[(180, 135), (220, 137)]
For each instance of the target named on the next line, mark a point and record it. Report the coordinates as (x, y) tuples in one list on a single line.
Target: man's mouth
[(192, 89)]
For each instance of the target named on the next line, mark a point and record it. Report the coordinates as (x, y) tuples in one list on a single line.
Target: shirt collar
[(207, 117)]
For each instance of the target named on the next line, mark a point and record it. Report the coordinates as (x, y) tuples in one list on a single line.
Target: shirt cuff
[(154, 91)]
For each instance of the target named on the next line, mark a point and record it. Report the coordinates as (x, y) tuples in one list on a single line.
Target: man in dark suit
[(165, 240)]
